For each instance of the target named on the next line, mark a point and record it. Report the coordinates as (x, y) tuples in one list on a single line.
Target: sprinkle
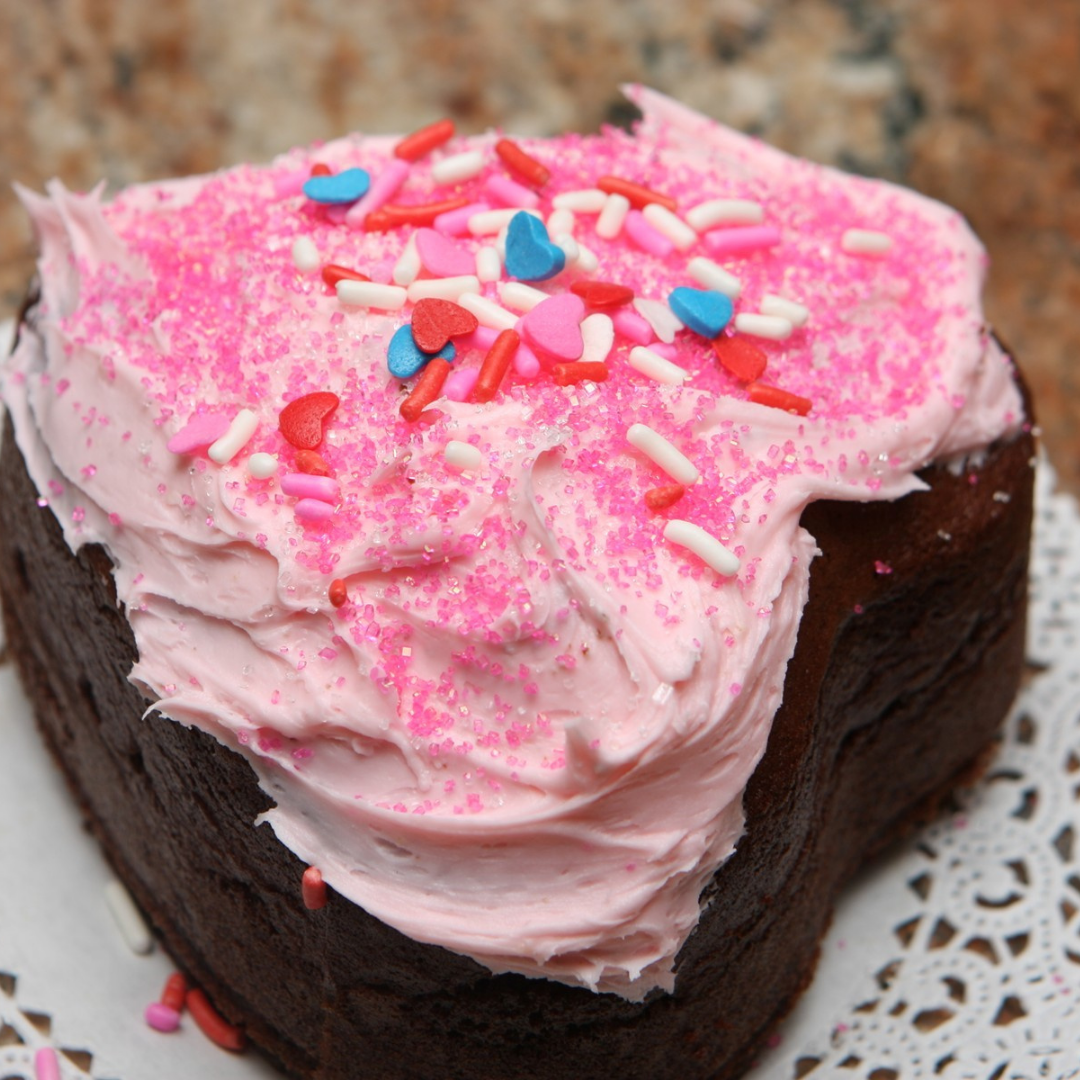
[(441, 256), (235, 439), (773, 396), (456, 222), (660, 498), (458, 167), (407, 268), (706, 272), (404, 357), (597, 336), (320, 168), (488, 264), (313, 511), (794, 312), (161, 1018), (526, 363), (586, 261), (423, 141), (489, 222), (579, 371), (427, 389), (739, 241), (338, 595), (610, 222), (561, 221), (396, 215), (459, 383), (463, 456), (568, 246), (631, 325), (332, 274), (371, 294), (447, 288), (435, 322), (305, 255), (488, 313), (603, 295), (663, 453), (301, 421), (213, 1025), (657, 367), (519, 296), (740, 357), (46, 1064), (495, 365), (773, 327), (312, 886), (309, 486), (174, 992), (715, 212), (128, 918), (522, 163), (705, 311), (310, 462), (671, 225), (882, 568), (530, 254), (865, 242), (688, 535), (339, 189), (509, 192), (638, 195), (383, 188), (587, 201), (554, 326), (664, 321), (262, 466), (200, 431), (645, 236)]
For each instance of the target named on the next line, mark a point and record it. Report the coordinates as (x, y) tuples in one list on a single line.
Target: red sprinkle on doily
[(424, 140), (523, 164), (332, 274), (312, 886), (339, 596), (213, 1025), (773, 396), (638, 195), (578, 371), (174, 992), (496, 363), (602, 295), (740, 357), (301, 421), (660, 498), (428, 388), (308, 461), (435, 322)]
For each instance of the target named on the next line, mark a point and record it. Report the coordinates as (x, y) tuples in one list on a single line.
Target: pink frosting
[(526, 735)]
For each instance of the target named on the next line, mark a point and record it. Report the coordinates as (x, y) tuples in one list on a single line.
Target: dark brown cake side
[(898, 683)]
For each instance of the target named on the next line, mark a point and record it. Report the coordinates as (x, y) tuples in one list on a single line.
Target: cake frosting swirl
[(526, 734)]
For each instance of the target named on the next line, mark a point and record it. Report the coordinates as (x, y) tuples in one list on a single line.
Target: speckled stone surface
[(973, 102)]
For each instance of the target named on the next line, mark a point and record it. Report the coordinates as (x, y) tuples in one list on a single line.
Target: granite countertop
[(972, 102)]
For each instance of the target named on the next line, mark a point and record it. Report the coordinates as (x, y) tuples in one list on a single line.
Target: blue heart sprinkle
[(530, 254), (404, 358), (342, 187), (705, 311)]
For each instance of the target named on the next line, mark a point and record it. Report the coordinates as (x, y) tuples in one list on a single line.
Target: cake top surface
[(505, 666)]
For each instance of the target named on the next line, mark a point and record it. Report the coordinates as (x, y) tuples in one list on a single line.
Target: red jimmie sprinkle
[(495, 365), (660, 498), (602, 295), (428, 388), (396, 215), (339, 596), (639, 195), (763, 394), (578, 371), (424, 140), (526, 166), (307, 461), (742, 358), (312, 886), (319, 169), (332, 274), (213, 1025), (175, 992), (301, 421)]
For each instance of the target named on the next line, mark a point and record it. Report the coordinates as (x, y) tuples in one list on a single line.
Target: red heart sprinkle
[(301, 421), (741, 358), (307, 461), (602, 295), (435, 322)]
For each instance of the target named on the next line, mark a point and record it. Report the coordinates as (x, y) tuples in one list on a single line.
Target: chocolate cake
[(584, 786)]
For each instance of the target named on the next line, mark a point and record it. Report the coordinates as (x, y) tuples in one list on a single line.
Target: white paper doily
[(956, 955)]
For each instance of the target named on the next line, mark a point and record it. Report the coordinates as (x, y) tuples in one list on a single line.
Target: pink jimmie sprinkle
[(199, 432), (459, 383), (509, 192), (882, 567), (629, 324), (308, 486), (313, 511), (737, 241), (46, 1066), (161, 1017), (383, 188), (482, 338), (646, 237), (525, 362), (456, 222)]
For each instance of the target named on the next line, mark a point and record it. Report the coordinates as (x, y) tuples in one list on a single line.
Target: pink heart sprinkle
[(201, 430), (441, 257), (553, 326)]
